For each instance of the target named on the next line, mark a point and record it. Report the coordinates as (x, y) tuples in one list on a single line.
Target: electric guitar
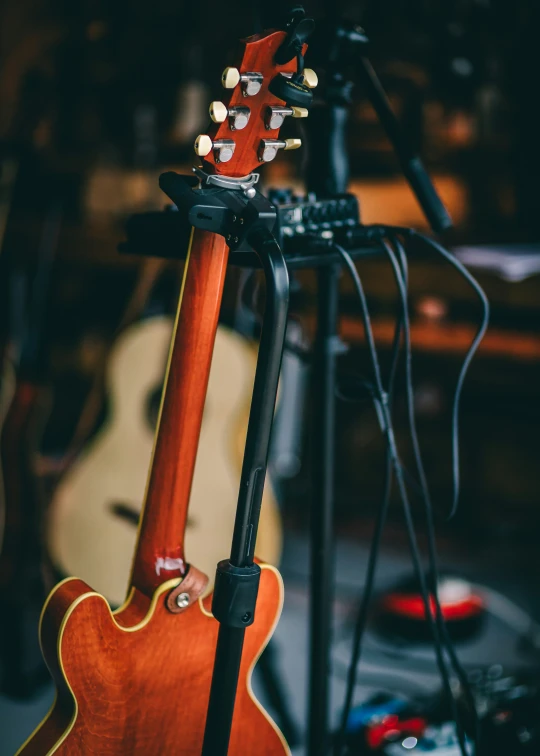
[(137, 681)]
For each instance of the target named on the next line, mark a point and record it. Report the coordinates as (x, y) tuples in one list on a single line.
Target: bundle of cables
[(393, 241)]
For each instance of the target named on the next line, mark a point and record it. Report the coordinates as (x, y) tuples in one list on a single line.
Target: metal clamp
[(244, 184)]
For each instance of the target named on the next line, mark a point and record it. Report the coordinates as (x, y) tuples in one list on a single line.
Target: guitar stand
[(237, 579), (247, 223), (236, 210)]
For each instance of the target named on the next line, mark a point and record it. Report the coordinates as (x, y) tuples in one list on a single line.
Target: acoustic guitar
[(94, 513), (138, 681)]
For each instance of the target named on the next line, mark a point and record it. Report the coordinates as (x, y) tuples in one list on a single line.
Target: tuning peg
[(251, 82), (223, 148), (292, 144), (268, 148), (275, 115), (230, 77), (310, 78), (203, 145), (218, 111), (238, 116)]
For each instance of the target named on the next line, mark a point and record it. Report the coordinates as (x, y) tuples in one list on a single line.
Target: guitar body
[(147, 688), (92, 524)]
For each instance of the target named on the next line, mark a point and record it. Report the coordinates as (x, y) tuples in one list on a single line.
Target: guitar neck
[(159, 554)]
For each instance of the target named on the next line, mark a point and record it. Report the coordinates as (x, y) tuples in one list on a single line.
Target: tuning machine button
[(238, 116), (230, 77), (218, 111), (268, 148), (223, 148), (310, 78), (251, 82), (203, 145), (275, 115)]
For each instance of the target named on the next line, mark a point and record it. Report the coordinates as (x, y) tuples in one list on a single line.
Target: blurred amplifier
[(298, 215)]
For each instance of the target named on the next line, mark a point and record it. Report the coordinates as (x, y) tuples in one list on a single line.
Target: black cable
[(415, 554), (398, 268), (466, 362), (361, 622), (401, 277), (382, 231)]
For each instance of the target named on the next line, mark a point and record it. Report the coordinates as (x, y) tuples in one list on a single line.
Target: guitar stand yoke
[(236, 210)]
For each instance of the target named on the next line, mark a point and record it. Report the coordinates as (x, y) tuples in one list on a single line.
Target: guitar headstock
[(244, 133)]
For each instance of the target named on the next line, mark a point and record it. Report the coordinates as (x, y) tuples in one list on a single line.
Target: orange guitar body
[(146, 689)]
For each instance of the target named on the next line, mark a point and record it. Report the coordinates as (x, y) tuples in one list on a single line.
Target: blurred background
[(96, 100)]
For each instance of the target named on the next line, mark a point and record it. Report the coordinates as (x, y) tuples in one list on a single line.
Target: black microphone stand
[(327, 175), (341, 53)]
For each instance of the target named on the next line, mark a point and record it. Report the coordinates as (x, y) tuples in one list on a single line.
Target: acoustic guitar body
[(150, 675), (89, 534)]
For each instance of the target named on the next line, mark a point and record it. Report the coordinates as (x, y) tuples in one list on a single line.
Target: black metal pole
[(237, 579), (322, 524), (327, 175), (411, 164), (223, 691)]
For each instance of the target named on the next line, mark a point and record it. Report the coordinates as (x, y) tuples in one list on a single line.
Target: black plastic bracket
[(235, 594), (230, 212)]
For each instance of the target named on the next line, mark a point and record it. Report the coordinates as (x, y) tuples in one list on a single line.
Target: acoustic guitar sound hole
[(125, 512), (152, 407), (130, 514)]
